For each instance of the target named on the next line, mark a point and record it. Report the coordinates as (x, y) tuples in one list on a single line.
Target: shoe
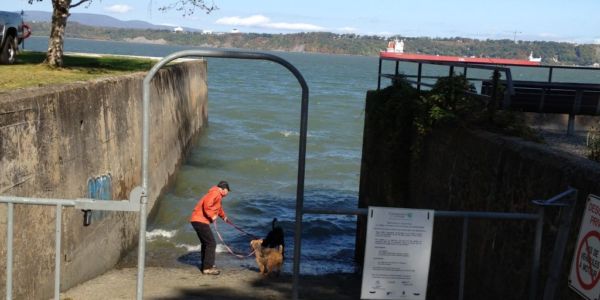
[(211, 271)]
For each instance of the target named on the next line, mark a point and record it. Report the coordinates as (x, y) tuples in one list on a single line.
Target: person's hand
[(214, 218), (226, 220)]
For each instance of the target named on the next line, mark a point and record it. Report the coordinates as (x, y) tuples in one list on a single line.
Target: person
[(205, 212)]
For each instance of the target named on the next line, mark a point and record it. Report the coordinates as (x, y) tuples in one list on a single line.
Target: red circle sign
[(584, 241)]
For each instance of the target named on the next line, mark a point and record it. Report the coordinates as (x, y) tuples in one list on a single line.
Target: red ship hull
[(443, 58)]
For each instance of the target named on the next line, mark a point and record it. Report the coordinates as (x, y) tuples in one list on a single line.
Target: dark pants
[(208, 245)]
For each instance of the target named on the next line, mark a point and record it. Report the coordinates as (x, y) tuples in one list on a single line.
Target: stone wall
[(52, 140), (459, 169)]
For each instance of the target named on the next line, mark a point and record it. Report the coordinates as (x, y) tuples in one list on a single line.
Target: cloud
[(255, 20), (348, 29), (261, 21), (383, 33), (548, 35), (294, 26), (119, 8)]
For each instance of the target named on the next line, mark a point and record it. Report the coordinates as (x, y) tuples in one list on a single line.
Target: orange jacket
[(208, 207)]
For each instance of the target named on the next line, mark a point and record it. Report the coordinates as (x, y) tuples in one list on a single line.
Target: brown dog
[(269, 260)]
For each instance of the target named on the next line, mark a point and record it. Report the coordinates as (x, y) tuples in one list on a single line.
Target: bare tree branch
[(188, 7), (79, 3), (60, 14)]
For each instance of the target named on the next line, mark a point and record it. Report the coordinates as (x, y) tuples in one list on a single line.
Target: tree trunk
[(60, 13)]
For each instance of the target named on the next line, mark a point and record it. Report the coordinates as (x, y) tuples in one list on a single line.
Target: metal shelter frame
[(564, 200), (301, 150)]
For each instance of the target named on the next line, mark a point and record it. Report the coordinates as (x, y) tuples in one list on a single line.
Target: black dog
[(275, 237)]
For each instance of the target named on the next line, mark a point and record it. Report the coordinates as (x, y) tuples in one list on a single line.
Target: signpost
[(585, 266), (397, 254)]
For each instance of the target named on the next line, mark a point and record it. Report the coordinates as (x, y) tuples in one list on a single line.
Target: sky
[(573, 21)]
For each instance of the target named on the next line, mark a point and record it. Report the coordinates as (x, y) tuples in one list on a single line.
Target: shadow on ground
[(331, 286)]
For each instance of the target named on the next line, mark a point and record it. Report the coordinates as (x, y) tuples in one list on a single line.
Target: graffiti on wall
[(100, 188)]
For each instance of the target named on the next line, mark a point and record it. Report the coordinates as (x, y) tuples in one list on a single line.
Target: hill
[(108, 28), (97, 20)]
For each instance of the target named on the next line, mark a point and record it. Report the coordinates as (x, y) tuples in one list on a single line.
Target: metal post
[(451, 71), (9, 250), (463, 258), (550, 74), (537, 249), (576, 108), (57, 247), (509, 89), (571, 124), (560, 244), (419, 77), (145, 183), (397, 66), (379, 76), (300, 188), (141, 248)]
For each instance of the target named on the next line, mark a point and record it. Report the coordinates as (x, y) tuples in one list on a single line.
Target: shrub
[(593, 143)]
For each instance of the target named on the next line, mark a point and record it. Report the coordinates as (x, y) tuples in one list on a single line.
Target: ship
[(534, 59), (395, 51)]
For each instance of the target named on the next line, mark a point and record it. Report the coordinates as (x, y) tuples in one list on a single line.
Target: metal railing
[(569, 98), (565, 200), (138, 199), (133, 204), (451, 68)]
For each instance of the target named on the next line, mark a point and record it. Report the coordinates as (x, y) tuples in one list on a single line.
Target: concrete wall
[(52, 140), (460, 169)]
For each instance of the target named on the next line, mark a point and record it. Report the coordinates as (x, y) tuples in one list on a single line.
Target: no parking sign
[(585, 267)]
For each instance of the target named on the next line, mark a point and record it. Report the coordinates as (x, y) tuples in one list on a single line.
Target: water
[(252, 142)]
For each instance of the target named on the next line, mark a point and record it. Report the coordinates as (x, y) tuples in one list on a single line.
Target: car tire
[(8, 51)]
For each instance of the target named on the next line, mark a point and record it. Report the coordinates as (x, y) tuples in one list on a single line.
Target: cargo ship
[(395, 51)]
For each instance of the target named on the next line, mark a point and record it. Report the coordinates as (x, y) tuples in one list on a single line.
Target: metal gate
[(138, 197), (565, 200)]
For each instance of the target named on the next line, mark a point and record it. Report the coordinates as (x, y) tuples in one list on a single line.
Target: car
[(13, 32)]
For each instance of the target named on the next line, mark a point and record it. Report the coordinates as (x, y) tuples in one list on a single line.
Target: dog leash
[(227, 247), (242, 230)]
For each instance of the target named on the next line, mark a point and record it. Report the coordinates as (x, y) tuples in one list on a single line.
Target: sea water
[(252, 142)]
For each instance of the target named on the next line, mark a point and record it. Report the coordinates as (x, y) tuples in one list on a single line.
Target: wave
[(160, 233), (293, 133), (189, 248), (287, 133), (196, 248)]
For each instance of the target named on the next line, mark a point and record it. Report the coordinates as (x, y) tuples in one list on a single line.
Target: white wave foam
[(221, 248), (158, 233), (189, 248), (287, 133)]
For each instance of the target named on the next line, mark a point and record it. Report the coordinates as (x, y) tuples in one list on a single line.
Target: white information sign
[(585, 266), (397, 253)]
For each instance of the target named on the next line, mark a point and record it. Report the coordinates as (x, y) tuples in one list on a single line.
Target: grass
[(29, 71)]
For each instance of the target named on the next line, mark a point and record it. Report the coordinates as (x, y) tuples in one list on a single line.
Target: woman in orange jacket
[(206, 211)]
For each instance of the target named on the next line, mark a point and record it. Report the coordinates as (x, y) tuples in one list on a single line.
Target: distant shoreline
[(552, 53), (134, 41)]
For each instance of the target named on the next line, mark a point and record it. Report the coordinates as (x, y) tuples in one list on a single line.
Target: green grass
[(29, 71)]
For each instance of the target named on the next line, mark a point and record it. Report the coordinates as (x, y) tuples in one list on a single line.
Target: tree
[(60, 13)]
